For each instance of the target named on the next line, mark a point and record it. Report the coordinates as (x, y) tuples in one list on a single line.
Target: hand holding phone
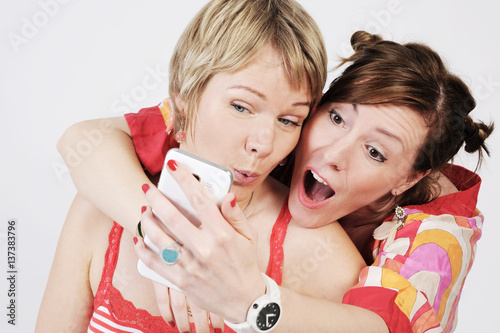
[(216, 179)]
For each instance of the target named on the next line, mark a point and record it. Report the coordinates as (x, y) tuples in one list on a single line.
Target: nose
[(260, 142), (338, 153)]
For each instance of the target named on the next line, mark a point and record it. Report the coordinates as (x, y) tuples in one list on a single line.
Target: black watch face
[(268, 316)]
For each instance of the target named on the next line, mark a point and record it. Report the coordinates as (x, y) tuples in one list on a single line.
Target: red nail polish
[(145, 188), (217, 330), (171, 323), (135, 240), (143, 209), (172, 165), (233, 202)]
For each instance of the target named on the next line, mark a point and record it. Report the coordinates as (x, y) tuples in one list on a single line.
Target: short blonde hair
[(225, 35)]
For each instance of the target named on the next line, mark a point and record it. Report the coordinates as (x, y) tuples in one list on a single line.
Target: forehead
[(402, 122), (294, 69), (266, 62)]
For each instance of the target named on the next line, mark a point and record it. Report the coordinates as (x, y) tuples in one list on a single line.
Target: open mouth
[(316, 188)]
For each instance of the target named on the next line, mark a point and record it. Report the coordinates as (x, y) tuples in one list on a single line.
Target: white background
[(65, 61)]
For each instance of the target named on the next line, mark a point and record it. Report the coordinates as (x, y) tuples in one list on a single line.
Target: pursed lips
[(245, 177)]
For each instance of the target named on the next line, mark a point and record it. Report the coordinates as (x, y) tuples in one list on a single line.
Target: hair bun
[(476, 134), (361, 39)]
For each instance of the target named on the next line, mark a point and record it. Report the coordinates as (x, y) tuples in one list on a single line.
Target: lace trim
[(124, 310), (276, 255)]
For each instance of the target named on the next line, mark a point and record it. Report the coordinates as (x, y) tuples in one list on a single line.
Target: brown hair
[(413, 75), (225, 35)]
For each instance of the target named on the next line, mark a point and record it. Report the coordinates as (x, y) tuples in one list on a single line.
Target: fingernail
[(172, 165), (217, 330), (233, 202), (135, 240), (171, 323), (145, 188), (143, 209)]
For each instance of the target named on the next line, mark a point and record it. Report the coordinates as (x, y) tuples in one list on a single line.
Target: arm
[(104, 167), (68, 299), (106, 157), (302, 313)]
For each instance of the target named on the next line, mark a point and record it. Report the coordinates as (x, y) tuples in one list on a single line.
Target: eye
[(238, 108), (336, 118), (288, 122), (376, 155)]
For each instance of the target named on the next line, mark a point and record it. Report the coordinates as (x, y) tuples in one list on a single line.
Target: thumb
[(234, 215)]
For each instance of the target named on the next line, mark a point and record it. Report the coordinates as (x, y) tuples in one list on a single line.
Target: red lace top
[(112, 313)]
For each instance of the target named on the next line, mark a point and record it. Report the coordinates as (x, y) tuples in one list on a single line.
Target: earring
[(387, 230), (399, 213), (180, 136), (283, 161)]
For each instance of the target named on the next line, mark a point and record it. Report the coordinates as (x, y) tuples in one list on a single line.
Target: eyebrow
[(256, 92), (264, 97)]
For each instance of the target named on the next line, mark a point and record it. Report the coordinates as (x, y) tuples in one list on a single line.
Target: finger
[(179, 308), (155, 235), (200, 318), (170, 217), (170, 275), (163, 301), (234, 215), (198, 195), (217, 323)]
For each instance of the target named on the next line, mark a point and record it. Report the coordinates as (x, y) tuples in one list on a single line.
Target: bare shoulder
[(321, 262)]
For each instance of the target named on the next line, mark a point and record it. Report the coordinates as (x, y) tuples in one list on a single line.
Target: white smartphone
[(215, 178)]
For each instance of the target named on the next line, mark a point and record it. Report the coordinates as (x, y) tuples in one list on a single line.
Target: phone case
[(216, 179)]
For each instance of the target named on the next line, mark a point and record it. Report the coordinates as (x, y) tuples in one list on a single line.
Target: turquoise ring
[(170, 254)]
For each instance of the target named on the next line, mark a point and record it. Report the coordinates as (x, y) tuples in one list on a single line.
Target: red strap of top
[(276, 255), (110, 259), (123, 310)]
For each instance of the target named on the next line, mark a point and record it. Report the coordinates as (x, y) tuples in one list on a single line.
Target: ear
[(180, 106), (410, 181)]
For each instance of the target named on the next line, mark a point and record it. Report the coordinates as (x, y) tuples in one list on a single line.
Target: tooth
[(318, 178)]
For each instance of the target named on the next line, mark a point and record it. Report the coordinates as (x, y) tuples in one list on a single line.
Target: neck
[(360, 224), (249, 202)]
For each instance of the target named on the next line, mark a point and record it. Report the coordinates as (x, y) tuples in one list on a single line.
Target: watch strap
[(272, 295)]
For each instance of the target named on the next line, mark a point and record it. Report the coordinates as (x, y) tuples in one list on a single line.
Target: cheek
[(372, 186), (313, 136), (291, 142)]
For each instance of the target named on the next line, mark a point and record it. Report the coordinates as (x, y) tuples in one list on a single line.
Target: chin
[(303, 216)]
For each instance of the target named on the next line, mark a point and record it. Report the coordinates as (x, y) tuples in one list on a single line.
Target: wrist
[(253, 290)]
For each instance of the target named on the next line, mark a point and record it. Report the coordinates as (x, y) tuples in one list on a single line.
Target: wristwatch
[(264, 313)]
